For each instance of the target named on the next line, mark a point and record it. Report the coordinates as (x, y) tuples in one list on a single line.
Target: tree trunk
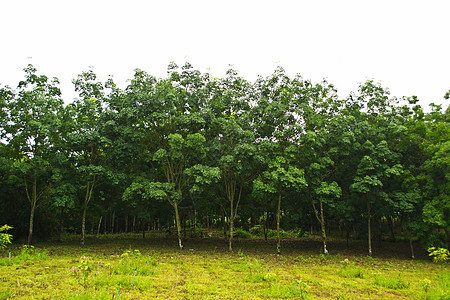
[(33, 202), (278, 223), (411, 247), (177, 218), (324, 233), (87, 198), (126, 223), (112, 220), (321, 220), (143, 229), (30, 229), (99, 223), (230, 241), (83, 225), (369, 232), (392, 229), (266, 226)]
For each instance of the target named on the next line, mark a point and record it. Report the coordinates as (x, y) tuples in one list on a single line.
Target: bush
[(5, 238), (257, 230), (242, 234), (439, 254)]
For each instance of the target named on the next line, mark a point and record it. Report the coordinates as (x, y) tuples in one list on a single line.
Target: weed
[(397, 283), (31, 253), (82, 271), (349, 270), (297, 290)]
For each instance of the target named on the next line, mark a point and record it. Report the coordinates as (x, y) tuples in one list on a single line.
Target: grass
[(133, 268)]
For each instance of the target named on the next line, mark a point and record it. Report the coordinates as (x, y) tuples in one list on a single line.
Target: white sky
[(404, 44)]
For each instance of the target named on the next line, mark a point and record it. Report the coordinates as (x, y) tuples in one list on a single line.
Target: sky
[(404, 45)]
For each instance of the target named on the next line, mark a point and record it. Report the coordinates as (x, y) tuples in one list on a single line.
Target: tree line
[(279, 153)]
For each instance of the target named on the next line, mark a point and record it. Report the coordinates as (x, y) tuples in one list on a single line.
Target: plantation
[(129, 267), (273, 189)]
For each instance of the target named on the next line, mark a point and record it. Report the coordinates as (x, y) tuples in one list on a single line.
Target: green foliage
[(31, 253), (349, 270), (224, 148), (439, 255), (5, 237), (240, 233)]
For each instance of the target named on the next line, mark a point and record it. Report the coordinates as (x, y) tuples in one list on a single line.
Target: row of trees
[(279, 152)]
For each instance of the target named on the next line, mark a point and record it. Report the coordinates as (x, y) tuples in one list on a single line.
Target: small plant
[(300, 289), (439, 254), (5, 238), (131, 253), (240, 253), (82, 271), (349, 270), (31, 253), (426, 285)]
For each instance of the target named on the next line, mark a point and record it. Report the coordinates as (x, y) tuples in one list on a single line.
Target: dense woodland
[(198, 154)]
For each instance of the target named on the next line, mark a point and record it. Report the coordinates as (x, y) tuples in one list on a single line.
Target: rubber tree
[(85, 138), (232, 143), (173, 159), (281, 175), (31, 130)]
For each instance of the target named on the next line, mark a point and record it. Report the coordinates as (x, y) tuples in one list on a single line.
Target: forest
[(195, 155)]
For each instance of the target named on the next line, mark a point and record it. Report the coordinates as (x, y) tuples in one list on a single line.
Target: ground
[(129, 267)]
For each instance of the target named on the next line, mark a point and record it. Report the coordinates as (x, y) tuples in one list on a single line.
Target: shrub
[(240, 233), (5, 238), (439, 254), (257, 230)]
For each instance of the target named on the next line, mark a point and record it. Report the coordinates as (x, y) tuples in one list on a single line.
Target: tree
[(279, 177), (85, 138), (31, 131)]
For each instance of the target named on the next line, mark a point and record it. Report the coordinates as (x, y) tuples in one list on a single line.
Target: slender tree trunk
[(230, 241), (87, 198), (134, 224), (321, 220), (83, 225), (324, 234), (369, 231), (278, 222), (30, 229), (177, 218), (143, 230), (411, 247), (392, 228), (126, 223), (112, 220), (33, 202), (266, 225), (99, 223)]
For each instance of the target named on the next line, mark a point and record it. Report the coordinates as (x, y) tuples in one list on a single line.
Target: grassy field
[(129, 267)]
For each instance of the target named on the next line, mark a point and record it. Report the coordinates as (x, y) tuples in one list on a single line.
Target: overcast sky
[(403, 44)]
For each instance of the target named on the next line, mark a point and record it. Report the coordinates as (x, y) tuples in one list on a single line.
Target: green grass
[(155, 269)]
